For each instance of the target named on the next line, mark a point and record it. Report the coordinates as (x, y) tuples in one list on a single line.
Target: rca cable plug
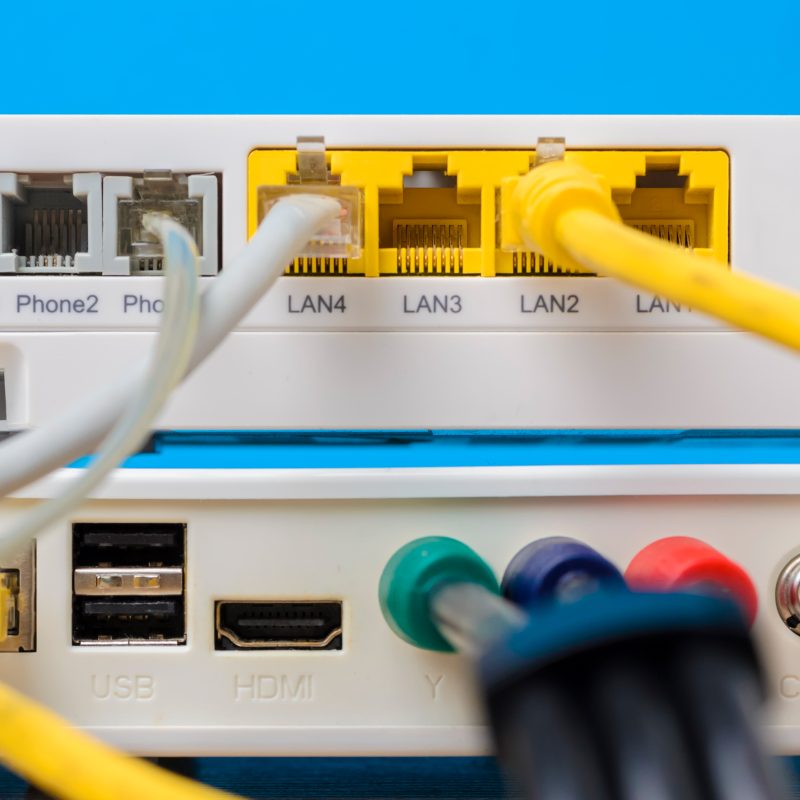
[(593, 692), (685, 564), (439, 594)]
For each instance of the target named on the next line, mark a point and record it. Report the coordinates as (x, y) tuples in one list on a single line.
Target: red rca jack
[(681, 563)]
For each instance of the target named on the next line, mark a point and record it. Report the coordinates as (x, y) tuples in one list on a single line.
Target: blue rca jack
[(558, 569)]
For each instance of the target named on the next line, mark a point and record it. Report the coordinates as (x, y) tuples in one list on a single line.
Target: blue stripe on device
[(368, 449)]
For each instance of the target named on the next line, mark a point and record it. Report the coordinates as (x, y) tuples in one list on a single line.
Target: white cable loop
[(167, 364), (290, 223)]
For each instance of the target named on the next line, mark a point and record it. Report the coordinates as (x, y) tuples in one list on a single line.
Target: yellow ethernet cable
[(67, 764), (563, 210)]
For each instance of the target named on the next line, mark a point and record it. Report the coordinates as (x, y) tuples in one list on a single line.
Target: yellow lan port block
[(439, 212)]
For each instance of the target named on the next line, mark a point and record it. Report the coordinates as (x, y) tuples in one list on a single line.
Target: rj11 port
[(191, 200), (50, 224)]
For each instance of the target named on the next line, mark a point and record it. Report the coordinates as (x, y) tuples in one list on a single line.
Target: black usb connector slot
[(128, 583)]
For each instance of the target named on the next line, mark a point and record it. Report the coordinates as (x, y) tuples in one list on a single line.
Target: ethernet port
[(192, 200), (50, 224), (680, 196), (129, 583), (429, 227), (661, 206), (18, 576)]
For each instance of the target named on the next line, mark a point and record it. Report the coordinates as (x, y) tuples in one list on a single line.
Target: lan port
[(428, 226), (662, 206)]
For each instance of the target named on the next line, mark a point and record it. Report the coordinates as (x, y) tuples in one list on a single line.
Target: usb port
[(297, 625), (128, 583)]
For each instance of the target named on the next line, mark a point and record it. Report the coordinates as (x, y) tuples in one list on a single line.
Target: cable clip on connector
[(549, 148), (312, 164)]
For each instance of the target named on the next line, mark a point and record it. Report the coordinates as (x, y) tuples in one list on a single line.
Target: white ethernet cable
[(168, 362), (288, 226)]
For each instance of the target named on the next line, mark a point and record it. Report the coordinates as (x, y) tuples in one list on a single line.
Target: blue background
[(685, 56)]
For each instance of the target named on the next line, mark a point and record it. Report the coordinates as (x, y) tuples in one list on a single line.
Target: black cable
[(544, 743), (720, 698), (640, 734)]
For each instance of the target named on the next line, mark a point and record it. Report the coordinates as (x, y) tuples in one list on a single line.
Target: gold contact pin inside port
[(426, 246)]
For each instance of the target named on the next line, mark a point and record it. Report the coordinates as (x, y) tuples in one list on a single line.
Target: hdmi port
[(300, 625)]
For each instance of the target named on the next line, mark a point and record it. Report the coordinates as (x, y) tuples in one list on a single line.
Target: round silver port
[(787, 595)]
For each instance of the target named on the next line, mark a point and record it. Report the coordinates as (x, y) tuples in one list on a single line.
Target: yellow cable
[(6, 603), (562, 210), (67, 764)]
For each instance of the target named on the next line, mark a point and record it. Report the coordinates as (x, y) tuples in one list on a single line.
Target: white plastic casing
[(326, 534), (383, 361)]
